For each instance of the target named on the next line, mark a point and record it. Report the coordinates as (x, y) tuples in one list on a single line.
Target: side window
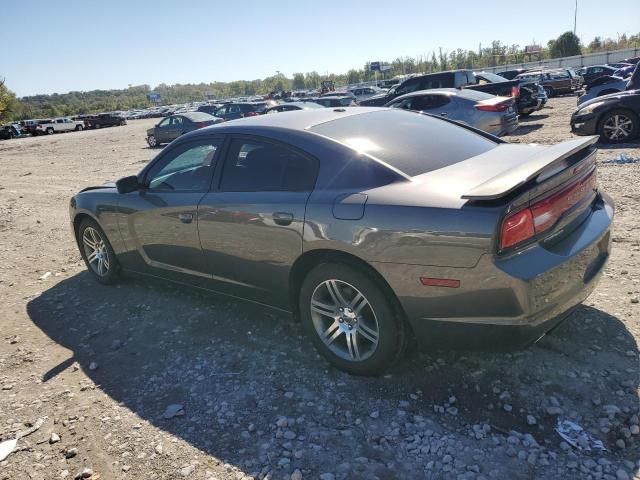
[(255, 166), (597, 70), (164, 123), (428, 102), (409, 86), (176, 121), (234, 109), (188, 168), (59, 121)]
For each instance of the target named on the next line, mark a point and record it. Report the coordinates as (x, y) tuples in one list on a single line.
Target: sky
[(68, 45)]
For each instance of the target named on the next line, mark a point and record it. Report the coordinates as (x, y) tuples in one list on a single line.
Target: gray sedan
[(371, 226), (495, 115), (174, 126)]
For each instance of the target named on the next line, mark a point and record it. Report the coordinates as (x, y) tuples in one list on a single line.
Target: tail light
[(201, 124), (543, 215), (515, 91), (492, 107)]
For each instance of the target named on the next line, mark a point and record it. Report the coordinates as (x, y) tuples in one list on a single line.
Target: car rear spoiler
[(508, 181)]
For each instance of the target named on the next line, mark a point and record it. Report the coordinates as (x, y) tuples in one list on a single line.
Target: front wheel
[(350, 319), (49, 131), (152, 141), (618, 126), (549, 91), (78, 128), (97, 253)]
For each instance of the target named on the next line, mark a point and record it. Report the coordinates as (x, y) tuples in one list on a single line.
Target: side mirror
[(128, 184)]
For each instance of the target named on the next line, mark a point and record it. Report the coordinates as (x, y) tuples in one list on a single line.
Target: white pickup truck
[(58, 125)]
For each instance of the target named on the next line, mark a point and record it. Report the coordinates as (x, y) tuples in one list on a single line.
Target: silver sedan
[(491, 114)]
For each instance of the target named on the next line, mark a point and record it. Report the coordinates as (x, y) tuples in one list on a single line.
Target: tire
[(151, 140), (123, 123), (364, 332), (618, 126), (97, 126), (49, 131), (103, 267), (79, 128), (525, 114), (549, 91)]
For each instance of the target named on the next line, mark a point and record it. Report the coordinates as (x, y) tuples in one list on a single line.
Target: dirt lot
[(101, 364)]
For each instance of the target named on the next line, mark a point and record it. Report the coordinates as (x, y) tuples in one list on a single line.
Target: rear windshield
[(411, 142)]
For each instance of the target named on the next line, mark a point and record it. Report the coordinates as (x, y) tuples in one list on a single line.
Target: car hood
[(108, 185), (611, 96), (151, 131)]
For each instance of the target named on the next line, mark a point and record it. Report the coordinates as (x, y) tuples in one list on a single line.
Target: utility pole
[(575, 17)]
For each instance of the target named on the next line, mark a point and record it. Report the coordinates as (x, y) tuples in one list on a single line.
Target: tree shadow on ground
[(237, 368)]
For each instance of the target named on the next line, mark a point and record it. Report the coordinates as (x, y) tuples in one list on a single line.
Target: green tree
[(565, 45), (298, 81), (8, 102)]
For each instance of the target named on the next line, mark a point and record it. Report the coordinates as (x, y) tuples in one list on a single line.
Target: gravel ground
[(153, 381)]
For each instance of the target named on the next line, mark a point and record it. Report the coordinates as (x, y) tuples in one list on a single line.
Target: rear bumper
[(506, 303)]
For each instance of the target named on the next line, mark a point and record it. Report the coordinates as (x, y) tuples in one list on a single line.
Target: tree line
[(495, 54)]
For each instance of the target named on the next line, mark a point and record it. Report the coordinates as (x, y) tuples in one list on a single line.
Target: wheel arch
[(311, 259), (77, 220)]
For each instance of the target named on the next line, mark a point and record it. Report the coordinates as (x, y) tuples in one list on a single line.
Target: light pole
[(575, 17)]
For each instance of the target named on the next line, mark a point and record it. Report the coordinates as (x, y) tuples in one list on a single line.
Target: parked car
[(554, 83), (29, 126), (210, 109), (233, 111), (104, 120), (607, 85), (10, 131), (491, 114), (449, 79), (174, 126), (414, 226), (57, 125), (525, 92), (335, 101), (624, 72), (292, 106), (362, 93), (615, 117), (592, 73)]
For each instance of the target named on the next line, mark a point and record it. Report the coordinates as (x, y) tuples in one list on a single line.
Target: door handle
[(443, 114), (186, 217), (283, 218)]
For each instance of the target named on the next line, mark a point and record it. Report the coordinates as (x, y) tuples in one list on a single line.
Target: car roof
[(296, 120)]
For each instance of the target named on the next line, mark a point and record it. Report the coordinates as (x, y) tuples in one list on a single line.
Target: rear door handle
[(443, 114), (186, 217), (283, 218)]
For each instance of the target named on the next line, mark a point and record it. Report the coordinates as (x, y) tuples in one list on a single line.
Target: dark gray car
[(372, 226), (170, 128)]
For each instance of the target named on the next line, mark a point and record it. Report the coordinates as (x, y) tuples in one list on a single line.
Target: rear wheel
[(98, 125), (151, 140), (350, 319), (97, 252), (78, 128), (618, 126), (49, 131), (549, 91), (123, 123)]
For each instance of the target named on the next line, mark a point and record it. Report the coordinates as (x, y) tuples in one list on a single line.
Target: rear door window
[(257, 166)]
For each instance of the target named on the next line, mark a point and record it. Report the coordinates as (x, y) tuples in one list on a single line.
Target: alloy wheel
[(152, 141), (618, 127), (96, 251), (344, 320)]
